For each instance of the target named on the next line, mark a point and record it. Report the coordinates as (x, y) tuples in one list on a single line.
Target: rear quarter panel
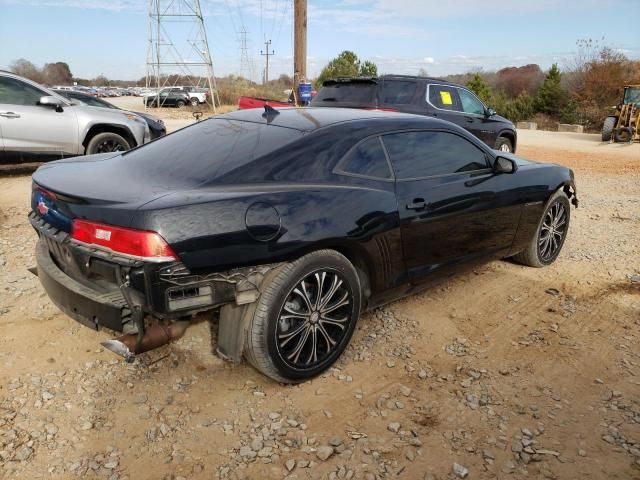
[(208, 230)]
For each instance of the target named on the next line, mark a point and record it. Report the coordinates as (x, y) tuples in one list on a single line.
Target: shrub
[(478, 86), (515, 109)]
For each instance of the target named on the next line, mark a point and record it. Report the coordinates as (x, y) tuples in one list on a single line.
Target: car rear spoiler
[(339, 80)]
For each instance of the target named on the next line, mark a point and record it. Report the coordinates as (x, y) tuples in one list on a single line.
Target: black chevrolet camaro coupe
[(287, 225)]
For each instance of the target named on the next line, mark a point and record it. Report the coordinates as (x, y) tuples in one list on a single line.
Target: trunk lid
[(90, 187)]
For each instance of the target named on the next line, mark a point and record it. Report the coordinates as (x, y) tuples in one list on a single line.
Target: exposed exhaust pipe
[(154, 337)]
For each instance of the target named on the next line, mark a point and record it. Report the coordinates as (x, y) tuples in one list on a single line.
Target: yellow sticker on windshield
[(446, 98)]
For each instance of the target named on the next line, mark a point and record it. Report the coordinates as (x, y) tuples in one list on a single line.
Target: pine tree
[(346, 64), (551, 97), (480, 87)]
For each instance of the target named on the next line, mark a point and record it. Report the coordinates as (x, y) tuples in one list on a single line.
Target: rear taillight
[(138, 243)]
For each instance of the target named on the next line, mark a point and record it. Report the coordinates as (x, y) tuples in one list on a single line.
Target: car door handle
[(9, 115), (469, 119), (417, 204)]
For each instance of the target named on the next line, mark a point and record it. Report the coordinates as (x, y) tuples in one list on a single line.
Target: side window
[(367, 159), (425, 154), (470, 103), (15, 92), (443, 97), (396, 92)]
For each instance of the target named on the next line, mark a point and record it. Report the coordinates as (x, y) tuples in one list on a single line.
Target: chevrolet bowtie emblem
[(42, 208)]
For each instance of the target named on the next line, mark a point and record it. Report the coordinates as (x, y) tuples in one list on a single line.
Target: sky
[(110, 37)]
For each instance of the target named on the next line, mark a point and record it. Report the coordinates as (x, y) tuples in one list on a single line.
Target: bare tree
[(26, 69)]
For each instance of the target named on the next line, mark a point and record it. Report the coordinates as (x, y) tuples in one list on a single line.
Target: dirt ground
[(507, 372)]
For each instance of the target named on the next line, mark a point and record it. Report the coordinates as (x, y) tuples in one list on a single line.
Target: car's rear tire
[(107, 142), (295, 334), (180, 104), (194, 102), (546, 244), (607, 128), (503, 144)]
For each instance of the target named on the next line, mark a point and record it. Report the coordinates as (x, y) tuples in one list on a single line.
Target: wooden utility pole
[(267, 54), (299, 45)]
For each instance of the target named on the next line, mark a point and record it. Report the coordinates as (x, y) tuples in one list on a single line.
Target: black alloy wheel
[(110, 145), (314, 319), (107, 142), (305, 316), (549, 237), (552, 232)]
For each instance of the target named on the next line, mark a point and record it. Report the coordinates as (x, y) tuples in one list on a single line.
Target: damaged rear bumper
[(89, 307), (101, 289)]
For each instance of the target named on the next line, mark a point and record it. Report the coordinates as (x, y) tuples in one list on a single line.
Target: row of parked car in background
[(38, 123), (175, 96)]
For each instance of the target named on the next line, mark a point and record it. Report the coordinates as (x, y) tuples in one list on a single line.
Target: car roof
[(308, 119), (392, 77)]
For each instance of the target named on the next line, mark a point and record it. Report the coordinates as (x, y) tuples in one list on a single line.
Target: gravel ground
[(506, 372)]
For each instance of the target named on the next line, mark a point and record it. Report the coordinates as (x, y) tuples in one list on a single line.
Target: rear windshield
[(351, 92), (208, 150)]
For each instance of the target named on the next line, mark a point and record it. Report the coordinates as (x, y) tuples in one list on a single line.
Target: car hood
[(500, 118), (113, 114)]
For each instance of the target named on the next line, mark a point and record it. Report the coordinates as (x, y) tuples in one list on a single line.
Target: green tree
[(368, 69), (551, 97), (346, 64), (480, 87)]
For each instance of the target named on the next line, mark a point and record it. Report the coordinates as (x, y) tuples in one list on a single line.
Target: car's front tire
[(550, 235), (107, 142), (180, 104), (503, 144), (305, 317), (194, 102)]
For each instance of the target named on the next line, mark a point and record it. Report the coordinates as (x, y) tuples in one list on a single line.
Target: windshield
[(632, 95), (208, 150)]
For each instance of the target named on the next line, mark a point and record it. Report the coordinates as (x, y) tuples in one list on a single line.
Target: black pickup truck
[(421, 96)]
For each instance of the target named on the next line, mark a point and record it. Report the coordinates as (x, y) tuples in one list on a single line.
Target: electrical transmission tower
[(246, 68), (178, 47)]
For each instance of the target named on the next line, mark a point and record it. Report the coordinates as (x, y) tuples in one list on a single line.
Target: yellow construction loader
[(624, 125)]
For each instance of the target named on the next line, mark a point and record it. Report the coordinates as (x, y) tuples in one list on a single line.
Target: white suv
[(38, 124)]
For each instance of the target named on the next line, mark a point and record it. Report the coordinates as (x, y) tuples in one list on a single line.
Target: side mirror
[(505, 165), (51, 101), (489, 112)]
